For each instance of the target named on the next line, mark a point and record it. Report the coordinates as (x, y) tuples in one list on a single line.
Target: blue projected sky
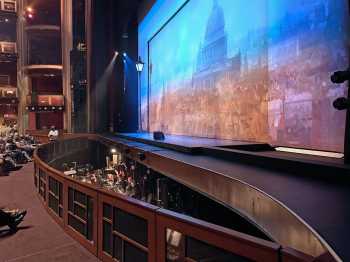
[(174, 49), (174, 52), (252, 68)]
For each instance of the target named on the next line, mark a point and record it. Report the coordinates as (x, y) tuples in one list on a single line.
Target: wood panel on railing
[(192, 239), (127, 229), (326, 257), (55, 198), (42, 185), (119, 228), (292, 255), (81, 214)]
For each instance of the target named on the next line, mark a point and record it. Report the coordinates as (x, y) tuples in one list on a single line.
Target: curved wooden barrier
[(115, 227)]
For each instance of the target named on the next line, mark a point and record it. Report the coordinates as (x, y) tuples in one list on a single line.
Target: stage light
[(30, 16), (113, 150), (341, 103), (7, 20), (124, 54), (139, 65), (116, 53), (340, 77)]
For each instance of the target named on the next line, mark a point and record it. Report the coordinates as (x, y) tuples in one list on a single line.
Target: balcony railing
[(8, 95), (8, 6), (8, 92), (45, 102), (115, 227), (8, 47)]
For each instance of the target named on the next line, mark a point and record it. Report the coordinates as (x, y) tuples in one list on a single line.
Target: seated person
[(17, 154), (12, 130), (7, 163), (11, 218), (24, 146), (130, 187), (53, 134), (29, 140)]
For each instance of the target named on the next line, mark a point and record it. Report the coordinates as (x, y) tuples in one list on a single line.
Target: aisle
[(39, 238)]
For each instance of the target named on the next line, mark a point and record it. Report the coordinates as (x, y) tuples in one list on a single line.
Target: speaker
[(341, 103), (158, 135)]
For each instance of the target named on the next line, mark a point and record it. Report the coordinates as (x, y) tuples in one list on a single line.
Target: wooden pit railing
[(115, 227)]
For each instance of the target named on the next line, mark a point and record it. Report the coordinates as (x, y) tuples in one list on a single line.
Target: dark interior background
[(114, 102)]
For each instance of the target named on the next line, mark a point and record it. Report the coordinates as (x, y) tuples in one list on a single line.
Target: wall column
[(23, 81), (88, 30), (67, 43)]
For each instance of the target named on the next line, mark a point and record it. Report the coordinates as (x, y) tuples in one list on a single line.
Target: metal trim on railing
[(7, 47)]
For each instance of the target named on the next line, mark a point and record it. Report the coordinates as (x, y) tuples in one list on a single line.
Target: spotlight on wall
[(341, 103), (29, 13), (339, 77), (113, 150)]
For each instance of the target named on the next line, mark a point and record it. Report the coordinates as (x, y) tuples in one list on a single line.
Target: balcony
[(44, 54), (43, 70), (8, 52), (8, 6), (45, 103), (8, 95), (43, 27), (8, 47)]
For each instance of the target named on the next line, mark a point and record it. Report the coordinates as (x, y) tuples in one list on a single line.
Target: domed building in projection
[(217, 73), (214, 48)]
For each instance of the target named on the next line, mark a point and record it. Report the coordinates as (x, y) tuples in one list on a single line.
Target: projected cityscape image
[(256, 74)]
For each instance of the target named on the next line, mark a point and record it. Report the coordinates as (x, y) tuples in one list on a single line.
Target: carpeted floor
[(39, 238)]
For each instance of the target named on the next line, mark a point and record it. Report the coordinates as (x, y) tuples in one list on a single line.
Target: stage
[(186, 144), (244, 152)]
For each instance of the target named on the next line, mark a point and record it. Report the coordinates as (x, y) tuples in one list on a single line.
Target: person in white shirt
[(53, 134)]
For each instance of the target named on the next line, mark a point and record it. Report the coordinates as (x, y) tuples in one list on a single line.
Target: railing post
[(347, 134)]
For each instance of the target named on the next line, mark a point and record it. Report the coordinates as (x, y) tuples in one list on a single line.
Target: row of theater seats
[(15, 150)]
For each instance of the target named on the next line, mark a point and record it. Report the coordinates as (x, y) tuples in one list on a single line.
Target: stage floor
[(212, 146), (186, 144)]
